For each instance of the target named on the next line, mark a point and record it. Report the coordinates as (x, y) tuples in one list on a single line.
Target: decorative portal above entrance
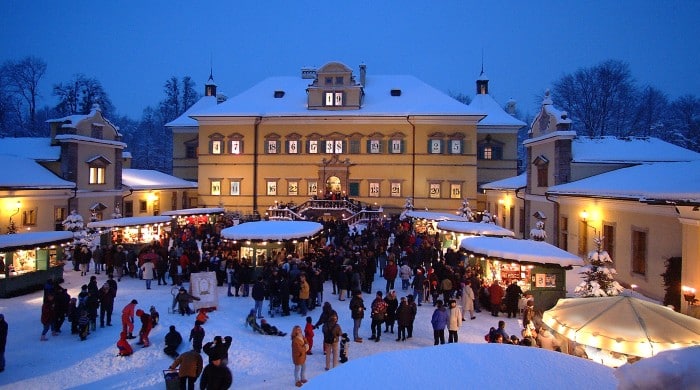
[(333, 184), (334, 174)]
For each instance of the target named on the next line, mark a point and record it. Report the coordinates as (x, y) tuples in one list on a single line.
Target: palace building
[(332, 133)]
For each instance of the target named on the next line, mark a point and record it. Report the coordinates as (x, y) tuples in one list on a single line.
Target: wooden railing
[(357, 212)]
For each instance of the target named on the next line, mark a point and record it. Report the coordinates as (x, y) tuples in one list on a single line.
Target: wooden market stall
[(539, 267), (258, 240), (196, 221), (133, 231), (27, 260)]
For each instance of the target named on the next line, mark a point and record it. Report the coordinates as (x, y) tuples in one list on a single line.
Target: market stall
[(133, 231), (426, 221), (198, 221), (258, 240), (538, 267), (27, 260), (453, 232)]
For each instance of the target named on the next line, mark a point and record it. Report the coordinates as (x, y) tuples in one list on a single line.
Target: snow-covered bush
[(598, 276)]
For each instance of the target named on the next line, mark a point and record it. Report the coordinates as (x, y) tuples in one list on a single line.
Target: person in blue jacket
[(439, 322)]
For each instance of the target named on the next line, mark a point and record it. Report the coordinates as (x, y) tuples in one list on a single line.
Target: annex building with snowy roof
[(640, 194)]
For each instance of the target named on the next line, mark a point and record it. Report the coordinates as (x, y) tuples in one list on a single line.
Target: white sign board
[(203, 286)]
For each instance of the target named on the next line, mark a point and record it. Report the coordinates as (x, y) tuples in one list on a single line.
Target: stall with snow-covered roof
[(27, 260), (256, 241), (453, 232), (133, 231), (425, 222), (196, 221), (539, 267)]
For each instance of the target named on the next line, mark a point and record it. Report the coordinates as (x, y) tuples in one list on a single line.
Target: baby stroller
[(275, 306)]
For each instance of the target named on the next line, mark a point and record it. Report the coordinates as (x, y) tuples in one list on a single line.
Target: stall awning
[(128, 221), (272, 230), (523, 251), (434, 216), (32, 240), (475, 228)]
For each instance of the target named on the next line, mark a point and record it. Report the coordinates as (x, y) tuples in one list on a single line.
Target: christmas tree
[(538, 233), (466, 211), (74, 223), (598, 276)]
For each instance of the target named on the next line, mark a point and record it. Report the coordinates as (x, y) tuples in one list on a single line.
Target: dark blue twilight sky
[(133, 46)]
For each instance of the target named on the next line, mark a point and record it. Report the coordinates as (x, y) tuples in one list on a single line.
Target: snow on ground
[(264, 362)]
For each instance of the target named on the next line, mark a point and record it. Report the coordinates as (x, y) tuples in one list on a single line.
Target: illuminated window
[(488, 153), (374, 189), (312, 188), (293, 146), (216, 146), (435, 146), (396, 146), (215, 187), (235, 187), (456, 146), (293, 188), (271, 188), (236, 147), (375, 146), (271, 147), (313, 147), (455, 191), (334, 98), (396, 189), (29, 217), (97, 175), (435, 190)]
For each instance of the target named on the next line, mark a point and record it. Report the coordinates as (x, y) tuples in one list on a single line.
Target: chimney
[(363, 74)]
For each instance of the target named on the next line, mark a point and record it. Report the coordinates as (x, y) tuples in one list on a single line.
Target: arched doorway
[(333, 185)]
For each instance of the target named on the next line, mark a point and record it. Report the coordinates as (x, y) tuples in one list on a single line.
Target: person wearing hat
[(357, 311), (128, 318), (183, 300), (173, 339), (216, 375)]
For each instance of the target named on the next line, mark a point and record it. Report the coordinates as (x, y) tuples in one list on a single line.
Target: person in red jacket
[(128, 318), (124, 346), (146, 325), (390, 273), (495, 297)]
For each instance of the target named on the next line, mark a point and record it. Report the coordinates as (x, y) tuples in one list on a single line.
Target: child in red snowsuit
[(124, 346), (146, 326), (309, 334)]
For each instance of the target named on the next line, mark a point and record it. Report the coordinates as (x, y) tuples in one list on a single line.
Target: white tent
[(474, 228), (272, 230), (623, 324)]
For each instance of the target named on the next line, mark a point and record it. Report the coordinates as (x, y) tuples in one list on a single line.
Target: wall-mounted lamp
[(584, 215), (689, 295)]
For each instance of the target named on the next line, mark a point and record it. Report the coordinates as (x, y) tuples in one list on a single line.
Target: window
[(488, 153), (235, 187), (215, 187), (435, 146), (96, 131), (609, 240), (639, 251), (313, 147), (271, 187), (29, 217), (583, 238), (396, 146), (396, 189), (334, 147), (334, 98), (374, 189), (354, 146), (490, 149), (312, 188), (216, 146), (511, 224), (354, 189), (542, 164), (59, 214), (564, 233), (455, 191), (271, 146), (456, 146), (374, 146), (329, 80), (143, 206), (236, 146), (190, 151), (293, 188), (97, 175), (339, 80), (129, 208), (173, 201), (293, 146), (435, 190)]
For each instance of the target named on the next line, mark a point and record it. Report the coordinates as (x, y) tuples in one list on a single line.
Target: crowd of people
[(348, 260)]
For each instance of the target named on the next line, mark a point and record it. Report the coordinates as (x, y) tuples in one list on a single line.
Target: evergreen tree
[(75, 223), (598, 276), (466, 211)]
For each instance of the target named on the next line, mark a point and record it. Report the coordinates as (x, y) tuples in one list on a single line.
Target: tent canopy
[(195, 211), (623, 324), (272, 230), (524, 251), (128, 221), (434, 216)]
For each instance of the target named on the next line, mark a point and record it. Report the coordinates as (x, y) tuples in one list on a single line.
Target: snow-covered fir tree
[(598, 276), (466, 211), (74, 223), (538, 233), (486, 217)]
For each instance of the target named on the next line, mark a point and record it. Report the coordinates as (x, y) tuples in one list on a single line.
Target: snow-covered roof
[(36, 148), (417, 98), (147, 179), (434, 216), (475, 228), (528, 251), (128, 221), (10, 242), (509, 183), (82, 138), (72, 121), (672, 181), (21, 172), (184, 120), (495, 114), (195, 211), (628, 150), (272, 230)]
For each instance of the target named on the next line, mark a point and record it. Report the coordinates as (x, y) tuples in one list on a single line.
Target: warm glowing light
[(584, 215)]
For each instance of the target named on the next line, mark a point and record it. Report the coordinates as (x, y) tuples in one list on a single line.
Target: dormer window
[(339, 80), (97, 169)]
